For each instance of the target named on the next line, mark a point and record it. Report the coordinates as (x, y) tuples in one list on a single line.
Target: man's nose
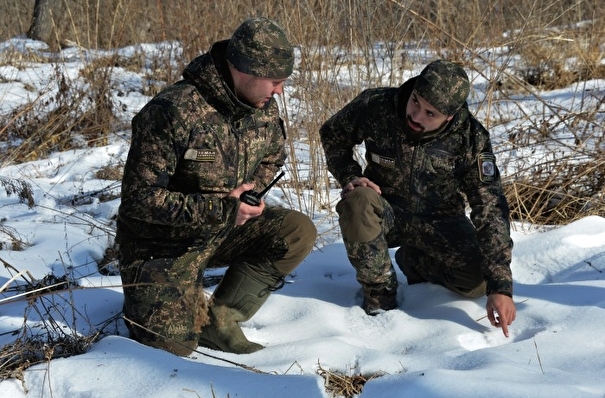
[(278, 89)]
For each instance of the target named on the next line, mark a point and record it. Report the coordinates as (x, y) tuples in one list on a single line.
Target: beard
[(418, 128), (415, 127)]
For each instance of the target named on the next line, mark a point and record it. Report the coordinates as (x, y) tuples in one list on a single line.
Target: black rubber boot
[(237, 298), (404, 257), (377, 301)]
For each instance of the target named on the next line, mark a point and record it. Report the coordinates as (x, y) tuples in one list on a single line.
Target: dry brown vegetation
[(551, 43), (338, 384), (332, 35)]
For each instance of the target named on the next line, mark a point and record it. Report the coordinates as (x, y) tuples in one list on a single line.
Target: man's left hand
[(359, 182), (501, 311)]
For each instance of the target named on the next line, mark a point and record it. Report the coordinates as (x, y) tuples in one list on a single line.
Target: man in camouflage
[(196, 147), (427, 157)]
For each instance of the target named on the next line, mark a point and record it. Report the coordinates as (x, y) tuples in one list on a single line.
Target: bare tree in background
[(43, 26)]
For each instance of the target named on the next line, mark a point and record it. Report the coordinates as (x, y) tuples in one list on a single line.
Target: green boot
[(237, 298)]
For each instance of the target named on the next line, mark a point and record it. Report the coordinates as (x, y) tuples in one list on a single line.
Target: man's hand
[(501, 311), (359, 182), (246, 212)]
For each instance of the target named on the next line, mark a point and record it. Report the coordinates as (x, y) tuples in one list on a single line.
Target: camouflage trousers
[(443, 251), (164, 302)]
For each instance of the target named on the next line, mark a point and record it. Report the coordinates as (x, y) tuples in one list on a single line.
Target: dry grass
[(69, 115), (562, 194), (22, 189), (331, 36), (24, 192), (47, 338), (342, 385), (28, 350)]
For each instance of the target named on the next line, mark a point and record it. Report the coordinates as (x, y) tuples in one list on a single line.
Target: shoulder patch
[(487, 166)]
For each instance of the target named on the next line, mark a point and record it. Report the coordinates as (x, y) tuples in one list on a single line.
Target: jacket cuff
[(501, 287), (347, 180)]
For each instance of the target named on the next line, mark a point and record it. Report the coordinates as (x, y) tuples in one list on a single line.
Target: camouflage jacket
[(191, 145), (430, 177)]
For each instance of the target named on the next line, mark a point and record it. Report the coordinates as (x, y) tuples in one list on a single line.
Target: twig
[(538, 355), (587, 262), (52, 289), (12, 267), (11, 280), (340, 385), (297, 364)]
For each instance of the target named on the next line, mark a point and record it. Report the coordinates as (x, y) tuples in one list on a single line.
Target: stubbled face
[(422, 116), (255, 91)]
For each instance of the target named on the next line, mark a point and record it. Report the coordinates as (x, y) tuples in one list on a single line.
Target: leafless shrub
[(330, 36), (21, 188), (15, 241), (47, 338), (75, 116), (577, 57)]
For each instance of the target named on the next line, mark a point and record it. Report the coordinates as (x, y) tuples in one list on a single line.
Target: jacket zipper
[(234, 131), (412, 168)]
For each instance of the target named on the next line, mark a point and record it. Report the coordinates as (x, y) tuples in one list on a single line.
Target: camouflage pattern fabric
[(164, 303), (273, 244), (361, 222), (191, 145), (427, 179), (375, 273), (444, 85), (463, 278), (373, 265), (260, 47), (456, 263)]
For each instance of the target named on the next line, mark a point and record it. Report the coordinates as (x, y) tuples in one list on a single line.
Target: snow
[(436, 344)]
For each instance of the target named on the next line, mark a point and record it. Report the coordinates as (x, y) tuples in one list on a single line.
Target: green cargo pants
[(164, 302)]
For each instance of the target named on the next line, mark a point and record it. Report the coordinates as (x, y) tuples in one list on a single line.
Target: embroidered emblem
[(200, 155), (383, 160), (487, 167), (446, 164)]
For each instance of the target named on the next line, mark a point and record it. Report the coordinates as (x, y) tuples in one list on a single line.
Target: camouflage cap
[(260, 47), (444, 85)]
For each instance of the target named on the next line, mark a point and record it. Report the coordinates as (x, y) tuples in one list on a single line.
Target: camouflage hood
[(206, 73)]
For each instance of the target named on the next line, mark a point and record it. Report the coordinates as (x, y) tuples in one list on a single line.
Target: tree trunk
[(44, 22)]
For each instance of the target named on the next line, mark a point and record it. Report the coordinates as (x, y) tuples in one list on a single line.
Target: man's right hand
[(501, 311), (359, 182), (246, 212)]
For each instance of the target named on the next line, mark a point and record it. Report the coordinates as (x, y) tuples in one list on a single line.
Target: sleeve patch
[(487, 167)]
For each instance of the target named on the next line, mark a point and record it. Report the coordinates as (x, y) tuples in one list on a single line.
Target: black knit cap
[(259, 47)]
